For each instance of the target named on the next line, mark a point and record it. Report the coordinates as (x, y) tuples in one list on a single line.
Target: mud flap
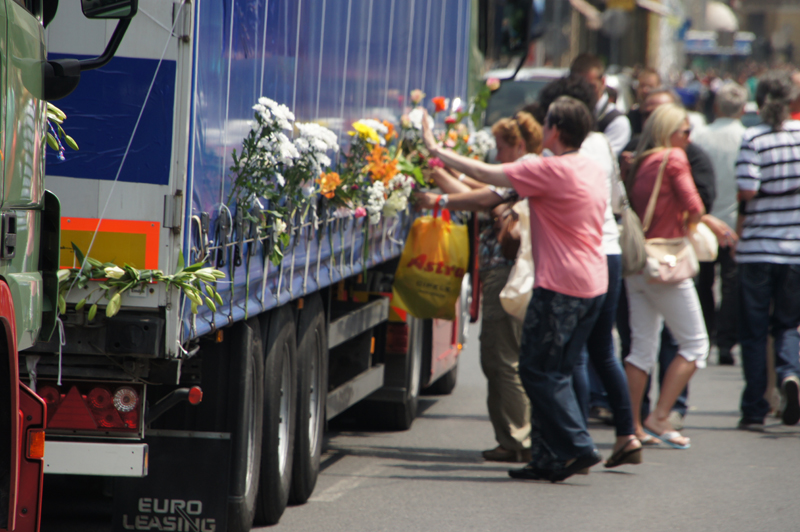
[(186, 489)]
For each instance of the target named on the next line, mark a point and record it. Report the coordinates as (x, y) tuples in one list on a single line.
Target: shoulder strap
[(605, 119), (651, 205)]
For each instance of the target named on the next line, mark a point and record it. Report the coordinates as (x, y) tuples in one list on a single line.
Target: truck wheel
[(401, 415), (312, 391), (445, 384), (247, 413), (280, 379)]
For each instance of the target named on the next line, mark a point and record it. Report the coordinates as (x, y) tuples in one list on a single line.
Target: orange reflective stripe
[(133, 242)]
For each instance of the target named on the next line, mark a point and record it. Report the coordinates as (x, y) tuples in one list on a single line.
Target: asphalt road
[(432, 477)]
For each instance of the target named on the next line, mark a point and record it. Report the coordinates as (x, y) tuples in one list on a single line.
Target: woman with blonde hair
[(678, 208), (516, 137)]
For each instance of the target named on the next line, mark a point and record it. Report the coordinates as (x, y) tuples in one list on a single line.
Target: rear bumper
[(96, 459)]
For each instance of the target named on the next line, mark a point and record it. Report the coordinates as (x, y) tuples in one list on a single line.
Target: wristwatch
[(442, 201)]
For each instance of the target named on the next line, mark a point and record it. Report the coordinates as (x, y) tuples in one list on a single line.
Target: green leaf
[(79, 305), (113, 305), (92, 312), (94, 262), (78, 254), (276, 256), (62, 304), (194, 267), (71, 142), (181, 262)]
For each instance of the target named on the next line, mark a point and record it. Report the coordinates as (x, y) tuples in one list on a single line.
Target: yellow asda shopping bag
[(428, 279)]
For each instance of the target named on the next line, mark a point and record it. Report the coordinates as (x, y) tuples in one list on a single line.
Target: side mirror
[(109, 9), (63, 75)]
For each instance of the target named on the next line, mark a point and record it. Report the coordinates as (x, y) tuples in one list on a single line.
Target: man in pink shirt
[(567, 195)]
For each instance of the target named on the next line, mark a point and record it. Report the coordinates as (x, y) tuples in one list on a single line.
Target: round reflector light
[(99, 399), (50, 395), (195, 395), (125, 399)]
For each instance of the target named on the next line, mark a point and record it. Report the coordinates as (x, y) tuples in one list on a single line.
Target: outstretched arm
[(481, 199), (491, 174)]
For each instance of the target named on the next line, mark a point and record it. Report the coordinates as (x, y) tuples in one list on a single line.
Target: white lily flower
[(114, 272)]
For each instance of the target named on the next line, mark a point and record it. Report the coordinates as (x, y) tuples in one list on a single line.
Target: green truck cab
[(30, 233)]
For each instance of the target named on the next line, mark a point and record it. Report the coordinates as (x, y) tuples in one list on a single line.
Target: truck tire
[(312, 392), (401, 415), (247, 414), (280, 400)]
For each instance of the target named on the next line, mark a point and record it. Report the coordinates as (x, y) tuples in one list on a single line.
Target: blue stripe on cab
[(102, 113)]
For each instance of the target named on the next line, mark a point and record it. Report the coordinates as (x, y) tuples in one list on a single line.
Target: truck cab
[(29, 238)]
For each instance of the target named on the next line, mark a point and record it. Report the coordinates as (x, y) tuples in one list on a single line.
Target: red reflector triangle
[(72, 413)]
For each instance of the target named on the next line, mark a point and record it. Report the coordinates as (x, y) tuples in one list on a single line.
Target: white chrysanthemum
[(280, 226), (274, 114), (415, 117), (285, 150), (301, 144), (313, 142), (320, 138), (403, 183), (280, 179), (375, 201), (482, 142)]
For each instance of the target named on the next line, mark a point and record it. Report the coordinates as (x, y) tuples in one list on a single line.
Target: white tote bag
[(516, 294)]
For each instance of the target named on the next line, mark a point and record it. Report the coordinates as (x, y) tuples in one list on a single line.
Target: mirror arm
[(111, 47)]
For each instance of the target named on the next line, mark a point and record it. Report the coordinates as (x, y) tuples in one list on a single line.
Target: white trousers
[(650, 306)]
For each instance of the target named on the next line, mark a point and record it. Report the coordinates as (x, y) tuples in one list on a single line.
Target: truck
[(29, 236), (216, 420)]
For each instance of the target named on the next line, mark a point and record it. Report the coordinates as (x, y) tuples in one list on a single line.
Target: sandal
[(669, 437), (625, 456), (649, 440)]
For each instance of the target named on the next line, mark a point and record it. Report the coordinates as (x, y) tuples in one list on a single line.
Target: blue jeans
[(605, 367), (554, 332), (763, 286)]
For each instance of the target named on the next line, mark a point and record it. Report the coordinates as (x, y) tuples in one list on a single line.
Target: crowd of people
[(579, 162)]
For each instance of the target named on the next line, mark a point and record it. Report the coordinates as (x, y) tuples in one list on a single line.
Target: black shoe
[(563, 470), (751, 425), (790, 400), (529, 472)]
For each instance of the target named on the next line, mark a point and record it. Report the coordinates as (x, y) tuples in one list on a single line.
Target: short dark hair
[(586, 62), (572, 118), (774, 93), (572, 85)]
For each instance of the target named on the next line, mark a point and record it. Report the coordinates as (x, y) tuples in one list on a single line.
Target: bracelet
[(462, 177)]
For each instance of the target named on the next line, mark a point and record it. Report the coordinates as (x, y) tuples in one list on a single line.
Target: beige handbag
[(516, 294), (705, 243), (669, 260)]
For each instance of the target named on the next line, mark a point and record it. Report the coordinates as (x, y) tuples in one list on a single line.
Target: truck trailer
[(215, 420)]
